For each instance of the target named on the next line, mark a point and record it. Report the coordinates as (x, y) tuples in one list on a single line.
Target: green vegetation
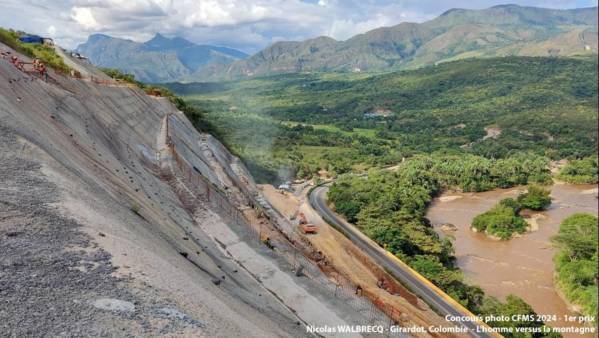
[(536, 198), (122, 76), (513, 306), (34, 50), (135, 208), (504, 219), (389, 207), (157, 60), (501, 221), (277, 151), (547, 106), (577, 263), (297, 125), (454, 35), (583, 171)]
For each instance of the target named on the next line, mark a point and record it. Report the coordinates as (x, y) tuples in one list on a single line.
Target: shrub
[(135, 208), (576, 263), (511, 203), (501, 221), (118, 75), (512, 308), (536, 198), (580, 171)]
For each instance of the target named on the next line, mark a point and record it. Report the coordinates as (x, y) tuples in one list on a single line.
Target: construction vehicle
[(308, 228), (305, 227)]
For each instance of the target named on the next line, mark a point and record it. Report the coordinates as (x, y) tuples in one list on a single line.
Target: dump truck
[(305, 227), (308, 228)]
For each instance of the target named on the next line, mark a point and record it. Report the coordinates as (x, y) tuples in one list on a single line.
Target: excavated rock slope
[(97, 238)]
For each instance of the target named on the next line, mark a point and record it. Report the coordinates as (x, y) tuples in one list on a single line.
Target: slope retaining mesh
[(373, 309)]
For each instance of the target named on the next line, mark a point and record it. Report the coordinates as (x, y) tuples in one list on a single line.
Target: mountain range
[(456, 34), (159, 59)]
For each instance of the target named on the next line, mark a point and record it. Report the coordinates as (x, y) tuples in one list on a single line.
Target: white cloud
[(84, 17), (344, 29), (245, 24), (51, 31)]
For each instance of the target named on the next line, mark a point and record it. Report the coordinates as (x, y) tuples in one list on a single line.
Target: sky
[(248, 25)]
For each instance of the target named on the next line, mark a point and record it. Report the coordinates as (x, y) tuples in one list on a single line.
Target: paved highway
[(416, 283)]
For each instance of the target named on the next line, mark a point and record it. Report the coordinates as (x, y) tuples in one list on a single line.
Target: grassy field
[(335, 129)]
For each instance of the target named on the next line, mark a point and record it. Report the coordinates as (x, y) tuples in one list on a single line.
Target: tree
[(576, 263), (581, 171), (536, 198), (501, 221), (511, 203), (577, 236), (512, 308)]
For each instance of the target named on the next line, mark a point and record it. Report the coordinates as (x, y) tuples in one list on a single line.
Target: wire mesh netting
[(374, 311)]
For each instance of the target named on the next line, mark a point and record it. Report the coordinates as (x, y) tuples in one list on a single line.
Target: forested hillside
[(487, 107), (159, 59), (456, 34)]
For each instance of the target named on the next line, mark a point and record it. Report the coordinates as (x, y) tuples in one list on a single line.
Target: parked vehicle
[(305, 227), (308, 228)]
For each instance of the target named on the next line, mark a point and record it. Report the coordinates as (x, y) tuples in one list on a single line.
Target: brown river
[(522, 266)]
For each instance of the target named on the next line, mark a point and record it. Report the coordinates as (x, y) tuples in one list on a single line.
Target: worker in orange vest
[(43, 72)]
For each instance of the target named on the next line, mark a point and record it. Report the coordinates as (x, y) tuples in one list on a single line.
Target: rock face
[(458, 33), (448, 227), (94, 215)]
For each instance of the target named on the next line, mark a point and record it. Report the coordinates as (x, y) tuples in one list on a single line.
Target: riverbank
[(523, 265)]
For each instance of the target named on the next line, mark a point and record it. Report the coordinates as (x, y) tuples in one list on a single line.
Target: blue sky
[(249, 25)]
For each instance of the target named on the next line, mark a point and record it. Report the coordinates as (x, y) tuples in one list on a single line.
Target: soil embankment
[(102, 232)]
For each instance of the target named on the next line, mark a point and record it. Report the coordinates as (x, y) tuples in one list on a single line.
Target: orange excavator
[(305, 227)]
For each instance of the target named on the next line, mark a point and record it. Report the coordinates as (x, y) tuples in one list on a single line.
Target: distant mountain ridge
[(458, 33), (159, 59)]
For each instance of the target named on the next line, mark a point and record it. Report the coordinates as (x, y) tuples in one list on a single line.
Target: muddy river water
[(522, 266)]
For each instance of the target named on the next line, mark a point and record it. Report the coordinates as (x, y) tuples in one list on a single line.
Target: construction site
[(351, 264), (118, 217)]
